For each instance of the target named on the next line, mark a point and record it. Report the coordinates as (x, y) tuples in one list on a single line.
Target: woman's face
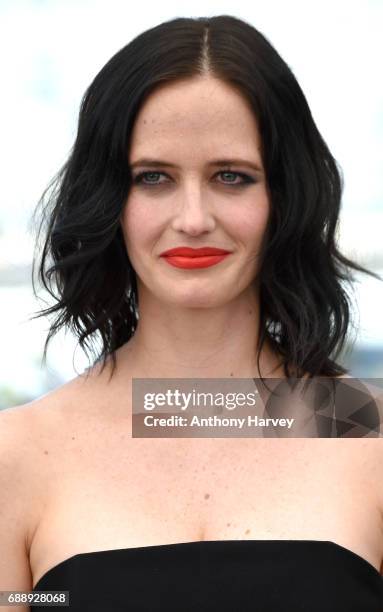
[(186, 198)]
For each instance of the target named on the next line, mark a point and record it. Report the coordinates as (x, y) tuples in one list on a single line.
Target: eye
[(245, 178), (139, 178)]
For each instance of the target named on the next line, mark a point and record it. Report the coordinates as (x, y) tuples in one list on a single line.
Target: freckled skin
[(284, 488), (191, 124), (188, 117)]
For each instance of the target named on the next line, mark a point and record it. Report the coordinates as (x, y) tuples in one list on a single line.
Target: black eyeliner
[(247, 180)]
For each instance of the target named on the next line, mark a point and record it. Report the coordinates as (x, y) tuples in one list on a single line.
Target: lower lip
[(194, 262)]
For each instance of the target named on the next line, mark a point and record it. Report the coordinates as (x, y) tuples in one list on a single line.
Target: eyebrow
[(216, 162)]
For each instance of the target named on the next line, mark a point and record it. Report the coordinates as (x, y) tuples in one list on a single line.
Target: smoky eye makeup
[(143, 178)]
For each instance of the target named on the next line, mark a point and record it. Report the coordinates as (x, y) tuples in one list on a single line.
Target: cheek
[(138, 225), (251, 221)]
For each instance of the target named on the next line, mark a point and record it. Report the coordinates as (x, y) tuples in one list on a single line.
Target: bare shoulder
[(16, 433), (22, 426), (22, 481), (79, 391), (16, 499), (16, 438), (43, 426)]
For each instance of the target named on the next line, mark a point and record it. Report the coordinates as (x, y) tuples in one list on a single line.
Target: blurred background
[(50, 52)]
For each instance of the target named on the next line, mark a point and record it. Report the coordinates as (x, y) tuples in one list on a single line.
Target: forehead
[(203, 113)]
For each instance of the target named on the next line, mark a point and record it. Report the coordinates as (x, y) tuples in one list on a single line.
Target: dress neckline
[(198, 543)]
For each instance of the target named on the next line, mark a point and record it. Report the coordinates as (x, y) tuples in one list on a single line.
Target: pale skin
[(191, 124), (72, 449)]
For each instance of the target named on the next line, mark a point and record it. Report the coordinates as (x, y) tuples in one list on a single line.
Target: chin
[(195, 299)]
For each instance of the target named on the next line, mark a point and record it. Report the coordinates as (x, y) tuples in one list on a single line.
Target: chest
[(111, 491)]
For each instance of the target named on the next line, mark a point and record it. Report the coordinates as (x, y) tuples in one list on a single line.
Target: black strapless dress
[(219, 575)]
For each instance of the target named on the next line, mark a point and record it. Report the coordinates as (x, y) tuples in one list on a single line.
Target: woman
[(195, 135)]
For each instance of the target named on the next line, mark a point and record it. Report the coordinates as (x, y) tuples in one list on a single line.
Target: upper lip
[(189, 252)]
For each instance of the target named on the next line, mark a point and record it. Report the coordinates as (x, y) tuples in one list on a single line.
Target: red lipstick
[(186, 257)]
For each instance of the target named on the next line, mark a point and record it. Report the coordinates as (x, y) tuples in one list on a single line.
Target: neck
[(172, 341)]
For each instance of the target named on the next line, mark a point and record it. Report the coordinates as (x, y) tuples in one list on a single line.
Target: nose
[(193, 215)]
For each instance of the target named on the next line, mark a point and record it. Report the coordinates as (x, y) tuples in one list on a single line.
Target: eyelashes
[(246, 179)]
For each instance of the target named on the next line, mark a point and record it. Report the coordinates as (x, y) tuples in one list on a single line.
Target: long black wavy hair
[(83, 263)]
